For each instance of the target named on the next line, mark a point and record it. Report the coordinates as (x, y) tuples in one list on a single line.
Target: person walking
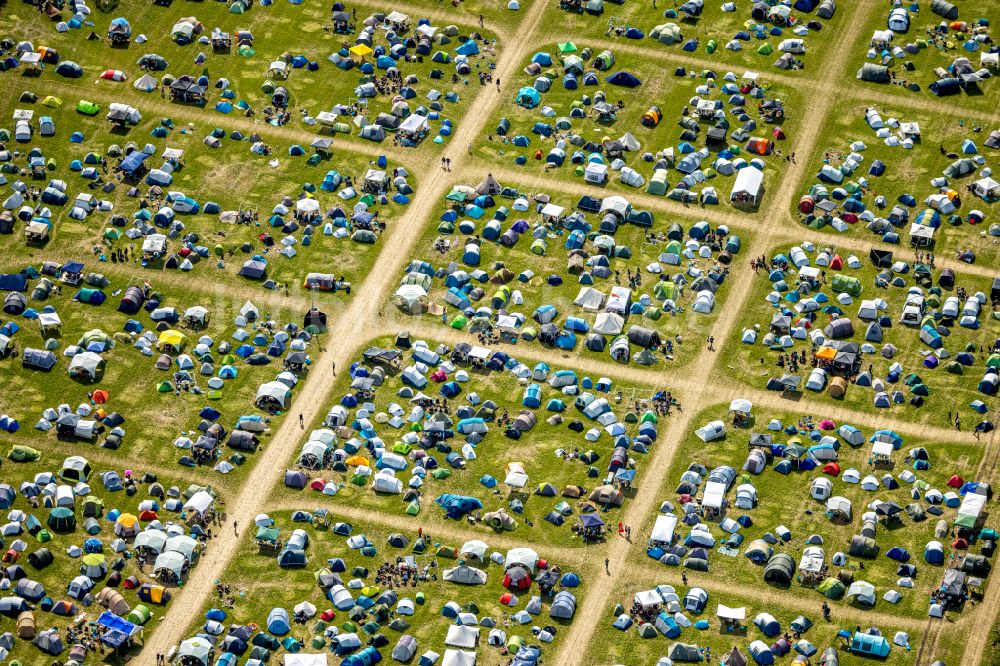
[(606, 563), (236, 530), (302, 422)]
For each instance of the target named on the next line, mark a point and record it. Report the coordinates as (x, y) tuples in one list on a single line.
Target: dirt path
[(589, 615), (353, 326), (452, 531), (769, 597), (363, 317)]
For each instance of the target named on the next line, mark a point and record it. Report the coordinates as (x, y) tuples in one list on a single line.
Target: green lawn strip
[(231, 176), (257, 584), (57, 576), (612, 646), (713, 24), (918, 68), (302, 30), (536, 450), (753, 364), (785, 500), (153, 420), (672, 95), (909, 171), (691, 326)]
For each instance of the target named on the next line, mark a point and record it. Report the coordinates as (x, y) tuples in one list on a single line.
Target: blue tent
[(624, 79), (934, 553), (528, 97), (456, 506), (869, 644), (898, 554), (277, 621)]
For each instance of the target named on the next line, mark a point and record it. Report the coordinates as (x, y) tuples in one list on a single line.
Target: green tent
[(140, 615), (22, 453), (87, 108), (459, 322), (831, 588), (164, 387), (61, 519), (765, 49), (846, 284)]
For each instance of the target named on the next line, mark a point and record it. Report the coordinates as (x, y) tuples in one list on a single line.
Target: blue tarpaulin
[(133, 161)]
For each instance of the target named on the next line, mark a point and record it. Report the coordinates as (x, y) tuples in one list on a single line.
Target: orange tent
[(826, 353), (100, 396)]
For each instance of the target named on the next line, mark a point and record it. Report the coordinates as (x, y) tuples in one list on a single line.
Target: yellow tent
[(171, 338), (127, 520), (361, 50), (357, 461), (53, 102)]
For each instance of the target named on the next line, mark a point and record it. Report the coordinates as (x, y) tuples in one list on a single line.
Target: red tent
[(148, 515), (960, 544), (317, 484), (506, 598), (956, 482), (517, 578), (836, 263), (827, 424), (831, 468), (806, 204), (131, 583), (327, 615), (850, 218), (100, 396), (439, 376)]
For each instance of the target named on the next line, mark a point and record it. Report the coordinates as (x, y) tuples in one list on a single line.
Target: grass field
[(915, 71), (755, 363), (153, 419), (64, 568), (257, 585), (231, 176), (785, 500), (712, 25), (910, 171), (684, 327), (672, 95), (275, 32), (613, 646), (536, 450)]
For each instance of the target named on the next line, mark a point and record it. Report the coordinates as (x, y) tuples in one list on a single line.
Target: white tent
[(305, 659), (663, 528), (748, 184), (462, 636)]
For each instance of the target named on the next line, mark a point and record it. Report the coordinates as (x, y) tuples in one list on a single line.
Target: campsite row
[(756, 34), (876, 332), (82, 540), (358, 76), (307, 582), (472, 434), (155, 367), (161, 206), (868, 177), (696, 134), (545, 269)]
